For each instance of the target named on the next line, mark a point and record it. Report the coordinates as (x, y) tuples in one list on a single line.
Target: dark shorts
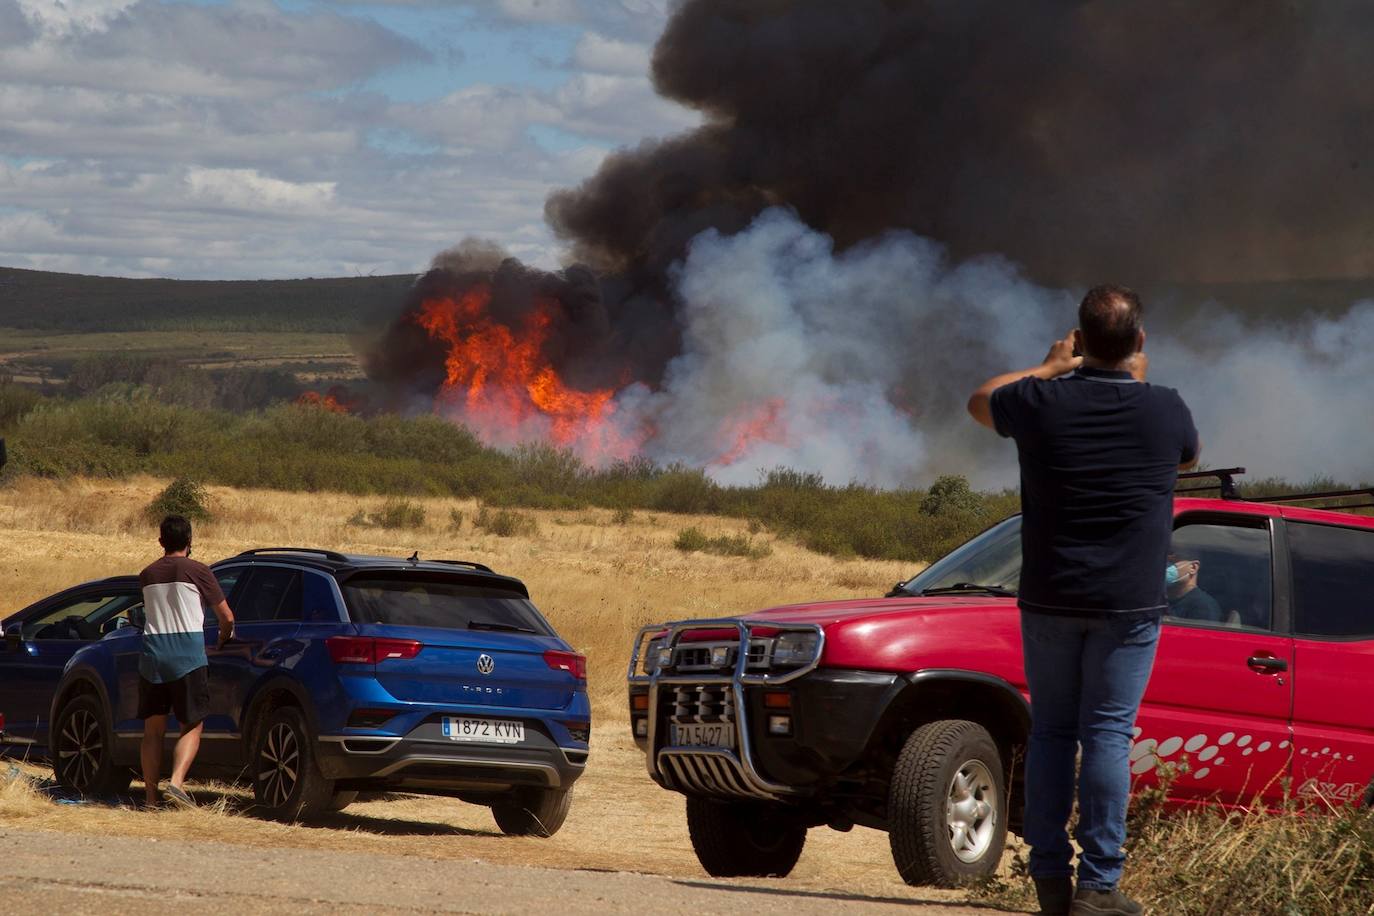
[(187, 696)]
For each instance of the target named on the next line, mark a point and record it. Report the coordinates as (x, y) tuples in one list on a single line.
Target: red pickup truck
[(908, 713)]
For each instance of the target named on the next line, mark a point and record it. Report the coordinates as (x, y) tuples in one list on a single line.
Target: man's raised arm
[(1059, 361)]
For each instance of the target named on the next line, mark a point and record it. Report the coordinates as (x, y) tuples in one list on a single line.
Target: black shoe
[(1090, 902), (1055, 895)]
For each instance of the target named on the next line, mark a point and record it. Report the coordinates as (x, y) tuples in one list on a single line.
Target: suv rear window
[(417, 601)]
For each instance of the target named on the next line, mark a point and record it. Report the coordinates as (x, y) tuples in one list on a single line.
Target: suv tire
[(83, 752), (287, 783), (947, 804), (342, 799), (743, 840), (532, 812)]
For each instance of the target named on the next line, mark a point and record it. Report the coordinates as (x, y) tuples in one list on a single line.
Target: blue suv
[(346, 674)]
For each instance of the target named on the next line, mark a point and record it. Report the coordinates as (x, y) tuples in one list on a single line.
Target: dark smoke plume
[(847, 239)]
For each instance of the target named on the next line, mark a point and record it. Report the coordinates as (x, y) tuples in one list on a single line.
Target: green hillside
[(64, 303)]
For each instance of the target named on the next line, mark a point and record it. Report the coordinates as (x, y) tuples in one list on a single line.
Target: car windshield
[(442, 602), (990, 562)]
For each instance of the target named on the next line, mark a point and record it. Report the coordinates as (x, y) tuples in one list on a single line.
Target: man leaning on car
[(172, 666), (1100, 450)]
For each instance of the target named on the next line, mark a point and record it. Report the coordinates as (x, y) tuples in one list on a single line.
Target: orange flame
[(502, 386), (321, 401), (742, 431)]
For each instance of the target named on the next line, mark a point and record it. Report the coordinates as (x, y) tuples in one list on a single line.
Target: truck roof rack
[(1323, 495), (1225, 478), (332, 555)]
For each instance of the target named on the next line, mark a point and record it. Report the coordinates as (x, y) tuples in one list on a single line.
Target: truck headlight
[(795, 649), (656, 656)]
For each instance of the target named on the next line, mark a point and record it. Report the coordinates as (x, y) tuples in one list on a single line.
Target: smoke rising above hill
[(887, 201)]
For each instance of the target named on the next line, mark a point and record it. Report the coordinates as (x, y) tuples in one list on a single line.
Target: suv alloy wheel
[(82, 751), (947, 804), (287, 783), (743, 839)]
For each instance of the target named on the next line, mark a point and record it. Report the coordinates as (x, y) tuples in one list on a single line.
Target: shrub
[(505, 523), (455, 520), (182, 496), (691, 540), (16, 402), (396, 514), (623, 516), (950, 493)]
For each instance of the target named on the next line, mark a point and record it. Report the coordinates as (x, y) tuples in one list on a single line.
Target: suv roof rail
[(1325, 494), (481, 567), (1225, 481), (332, 555)]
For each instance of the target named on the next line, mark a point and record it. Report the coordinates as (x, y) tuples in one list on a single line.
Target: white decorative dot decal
[(1208, 752), (1201, 773), (1247, 752), (1303, 751), (1283, 744), (1219, 761), (1263, 746), (1335, 756), (1135, 732), (1169, 746), (1326, 750), (1226, 738), (1244, 740), (1144, 750), (1143, 765), (1194, 743)]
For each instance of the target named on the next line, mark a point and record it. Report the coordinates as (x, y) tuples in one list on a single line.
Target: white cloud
[(599, 54), (250, 190)]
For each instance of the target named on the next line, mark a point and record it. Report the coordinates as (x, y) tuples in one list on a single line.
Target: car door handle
[(1266, 664)]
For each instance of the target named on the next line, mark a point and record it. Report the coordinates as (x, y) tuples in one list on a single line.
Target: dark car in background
[(346, 673)]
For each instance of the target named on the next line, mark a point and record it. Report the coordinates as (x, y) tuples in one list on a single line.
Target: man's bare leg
[(184, 754), (154, 729)]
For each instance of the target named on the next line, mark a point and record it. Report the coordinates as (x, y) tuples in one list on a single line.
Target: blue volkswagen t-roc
[(346, 674)]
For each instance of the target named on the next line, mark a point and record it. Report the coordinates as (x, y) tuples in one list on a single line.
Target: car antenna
[(414, 557)]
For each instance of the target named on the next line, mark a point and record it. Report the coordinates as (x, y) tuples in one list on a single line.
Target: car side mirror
[(137, 618)]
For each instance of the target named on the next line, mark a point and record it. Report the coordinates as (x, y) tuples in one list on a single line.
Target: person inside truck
[(1187, 600)]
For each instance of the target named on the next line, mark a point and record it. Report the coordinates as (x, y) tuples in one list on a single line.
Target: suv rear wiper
[(963, 588), (500, 627)]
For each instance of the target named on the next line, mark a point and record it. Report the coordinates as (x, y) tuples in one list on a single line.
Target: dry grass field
[(595, 579)]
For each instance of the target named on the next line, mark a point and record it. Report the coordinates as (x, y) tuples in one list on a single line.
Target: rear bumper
[(426, 762)]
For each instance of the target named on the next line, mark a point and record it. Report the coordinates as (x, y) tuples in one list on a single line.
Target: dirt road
[(49, 872)]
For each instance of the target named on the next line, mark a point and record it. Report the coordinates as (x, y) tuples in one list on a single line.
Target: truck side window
[(1332, 590), (1226, 574)]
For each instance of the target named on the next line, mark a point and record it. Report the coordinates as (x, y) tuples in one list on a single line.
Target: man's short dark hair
[(175, 533), (1110, 318)]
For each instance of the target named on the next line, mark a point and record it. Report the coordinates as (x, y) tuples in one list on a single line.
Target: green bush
[(396, 514), (455, 520), (622, 516), (690, 540), (182, 497), (505, 523)]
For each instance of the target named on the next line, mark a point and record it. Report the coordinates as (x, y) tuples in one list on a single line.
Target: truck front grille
[(707, 703)]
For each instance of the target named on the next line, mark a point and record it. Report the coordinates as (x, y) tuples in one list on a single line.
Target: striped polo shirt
[(174, 589)]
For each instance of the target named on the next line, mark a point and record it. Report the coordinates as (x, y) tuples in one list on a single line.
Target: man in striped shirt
[(172, 666)]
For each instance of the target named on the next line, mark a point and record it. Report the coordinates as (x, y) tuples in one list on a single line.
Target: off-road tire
[(82, 748), (532, 812), (743, 839), (297, 790), (918, 796), (342, 799)]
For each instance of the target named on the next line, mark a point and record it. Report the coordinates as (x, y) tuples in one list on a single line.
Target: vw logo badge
[(485, 664)]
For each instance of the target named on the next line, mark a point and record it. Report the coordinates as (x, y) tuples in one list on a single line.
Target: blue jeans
[(1087, 676)]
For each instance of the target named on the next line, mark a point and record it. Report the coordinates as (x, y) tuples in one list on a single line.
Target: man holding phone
[(1099, 450), (172, 666)]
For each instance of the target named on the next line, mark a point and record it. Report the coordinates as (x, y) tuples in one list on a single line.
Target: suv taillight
[(571, 662), (365, 650)]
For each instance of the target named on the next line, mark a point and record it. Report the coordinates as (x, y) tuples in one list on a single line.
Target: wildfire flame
[(322, 401), (747, 428), (499, 382)]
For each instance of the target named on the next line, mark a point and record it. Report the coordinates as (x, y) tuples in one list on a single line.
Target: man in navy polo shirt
[(1100, 450)]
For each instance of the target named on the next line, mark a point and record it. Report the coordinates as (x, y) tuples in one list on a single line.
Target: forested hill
[(40, 300)]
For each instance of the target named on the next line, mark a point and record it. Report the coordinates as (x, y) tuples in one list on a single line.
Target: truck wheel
[(287, 783), (532, 812), (82, 752), (743, 840), (947, 804)]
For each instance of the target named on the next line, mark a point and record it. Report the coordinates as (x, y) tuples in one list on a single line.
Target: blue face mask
[(1170, 574)]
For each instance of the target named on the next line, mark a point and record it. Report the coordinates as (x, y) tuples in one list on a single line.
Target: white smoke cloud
[(857, 365)]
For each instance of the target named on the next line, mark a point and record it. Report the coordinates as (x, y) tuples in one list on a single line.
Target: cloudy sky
[(293, 138)]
